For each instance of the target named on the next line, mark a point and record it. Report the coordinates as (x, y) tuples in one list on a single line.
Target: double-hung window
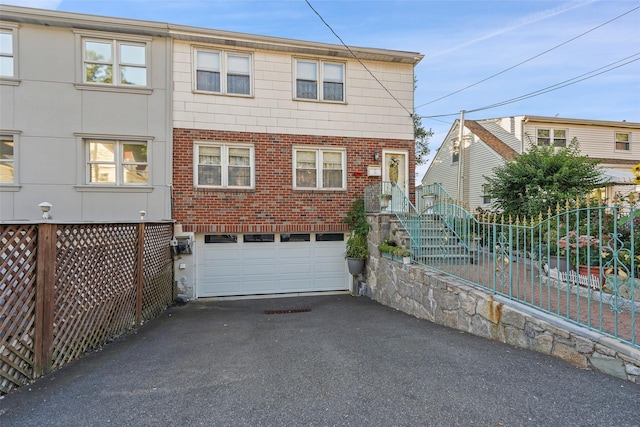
[(7, 159), (319, 169), (117, 162), (319, 80), (114, 62), (623, 141), (552, 137), (223, 72), (455, 152), (224, 165), (7, 54), (486, 194)]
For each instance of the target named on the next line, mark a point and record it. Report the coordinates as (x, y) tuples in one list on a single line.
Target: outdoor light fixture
[(376, 155), (45, 207), (142, 214)]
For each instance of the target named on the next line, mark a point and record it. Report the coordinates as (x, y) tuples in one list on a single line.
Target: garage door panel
[(270, 267)]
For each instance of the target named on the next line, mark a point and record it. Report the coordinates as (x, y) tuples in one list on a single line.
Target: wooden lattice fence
[(68, 289)]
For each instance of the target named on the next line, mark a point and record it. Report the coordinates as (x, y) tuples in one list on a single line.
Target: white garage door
[(254, 264)]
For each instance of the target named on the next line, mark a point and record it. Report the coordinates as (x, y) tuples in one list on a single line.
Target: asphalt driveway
[(315, 361)]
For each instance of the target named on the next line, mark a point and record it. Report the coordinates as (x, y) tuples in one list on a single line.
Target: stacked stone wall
[(443, 299)]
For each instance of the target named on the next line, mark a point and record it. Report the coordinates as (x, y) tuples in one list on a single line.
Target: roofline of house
[(27, 15), (584, 122)]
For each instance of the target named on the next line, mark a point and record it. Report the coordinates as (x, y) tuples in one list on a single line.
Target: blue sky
[(463, 42)]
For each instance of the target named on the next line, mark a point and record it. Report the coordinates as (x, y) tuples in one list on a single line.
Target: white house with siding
[(489, 143)]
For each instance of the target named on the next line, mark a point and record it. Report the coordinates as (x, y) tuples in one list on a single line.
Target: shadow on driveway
[(315, 360)]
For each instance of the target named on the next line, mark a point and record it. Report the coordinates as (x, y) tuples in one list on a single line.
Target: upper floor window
[(114, 62), (455, 152), (486, 194), (7, 55), (623, 141), (319, 168), (319, 80), (117, 162), (224, 165), (223, 72), (7, 159), (552, 137)]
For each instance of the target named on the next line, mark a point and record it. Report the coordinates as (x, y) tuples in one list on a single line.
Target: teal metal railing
[(581, 263)]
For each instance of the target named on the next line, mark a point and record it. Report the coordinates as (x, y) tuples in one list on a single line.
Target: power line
[(593, 73), (358, 59), (530, 59)]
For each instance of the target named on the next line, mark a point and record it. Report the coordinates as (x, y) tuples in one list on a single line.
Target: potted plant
[(427, 200), (357, 249)]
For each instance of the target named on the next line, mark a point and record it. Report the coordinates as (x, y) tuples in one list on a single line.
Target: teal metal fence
[(581, 263)]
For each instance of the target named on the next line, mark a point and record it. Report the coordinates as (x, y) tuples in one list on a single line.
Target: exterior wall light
[(45, 207)]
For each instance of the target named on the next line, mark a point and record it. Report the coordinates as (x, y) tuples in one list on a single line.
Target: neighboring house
[(489, 143), (84, 117), (274, 138)]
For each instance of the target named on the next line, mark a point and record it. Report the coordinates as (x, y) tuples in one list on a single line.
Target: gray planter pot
[(355, 265)]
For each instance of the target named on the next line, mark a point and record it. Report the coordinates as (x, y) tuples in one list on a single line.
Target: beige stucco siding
[(368, 111)]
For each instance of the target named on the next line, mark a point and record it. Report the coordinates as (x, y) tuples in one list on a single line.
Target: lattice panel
[(95, 291), (17, 304), (157, 291)]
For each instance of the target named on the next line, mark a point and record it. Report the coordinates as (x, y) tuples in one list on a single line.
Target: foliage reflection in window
[(7, 160), (117, 163), (115, 63)]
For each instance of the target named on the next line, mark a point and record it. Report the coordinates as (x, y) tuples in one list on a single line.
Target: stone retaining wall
[(446, 300)]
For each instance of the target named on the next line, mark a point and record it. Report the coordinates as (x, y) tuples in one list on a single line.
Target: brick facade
[(273, 206)]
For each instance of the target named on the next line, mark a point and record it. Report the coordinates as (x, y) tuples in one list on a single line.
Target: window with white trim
[(486, 194), (322, 169), (114, 62), (223, 72), (319, 80), (224, 165), (552, 137), (455, 152), (7, 53), (623, 141), (111, 162), (7, 159)]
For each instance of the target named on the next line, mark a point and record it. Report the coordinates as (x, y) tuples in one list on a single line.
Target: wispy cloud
[(531, 19)]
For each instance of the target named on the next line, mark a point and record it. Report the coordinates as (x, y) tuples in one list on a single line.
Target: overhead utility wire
[(527, 60), (569, 82), (562, 84), (358, 59)]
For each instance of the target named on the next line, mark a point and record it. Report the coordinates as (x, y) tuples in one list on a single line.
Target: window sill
[(320, 101), (113, 189), (240, 95), (107, 88), (10, 187), (224, 190), (9, 81), (320, 190)]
